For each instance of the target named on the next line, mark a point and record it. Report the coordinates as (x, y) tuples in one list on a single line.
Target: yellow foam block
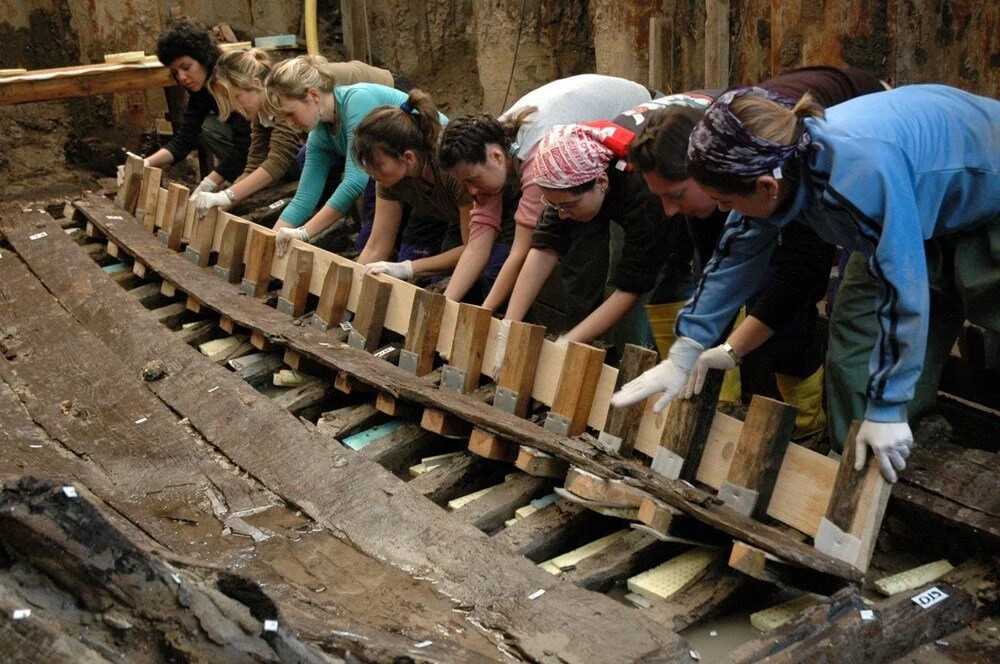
[(778, 615), (570, 558), (216, 346), (664, 580), (289, 378), (462, 501), (522, 512), (913, 578)]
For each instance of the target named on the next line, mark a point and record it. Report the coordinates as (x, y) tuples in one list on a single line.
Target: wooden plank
[(97, 82), (460, 475), (128, 192), (623, 558), (369, 318), (759, 564), (257, 273), (170, 314), (161, 210), (622, 425), (312, 344), (295, 286), (613, 492), (575, 393), (550, 530), (403, 447), (231, 247), (418, 353), (857, 505), (466, 359), (173, 216), (687, 425), (199, 249), (569, 560), (540, 464), (655, 81), (343, 492), (149, 196), (334, 296), (748, 487), (493, 447), (716, 44), (489, 512), (517, 376)]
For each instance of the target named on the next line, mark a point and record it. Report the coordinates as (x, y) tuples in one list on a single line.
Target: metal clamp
[(192, 255), (667, 463), (453, 379), (738, 498), (387, 353), (611, 441), (557, 423), (222, 272), (248, 286), (355, 340), (830, 539), (505, 399), (408, 361), (164, 236), (283, 305), (319, 323), (139, 216)]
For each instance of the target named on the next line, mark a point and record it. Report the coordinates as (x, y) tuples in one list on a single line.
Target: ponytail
[(413, 125), (466, 137)]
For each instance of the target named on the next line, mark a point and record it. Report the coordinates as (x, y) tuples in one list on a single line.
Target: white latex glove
[(713, 358), (206, 200), (286, 235), (562, 340), (501, 349), (890, 442), (669, 377), (402, 270), (205, 185)]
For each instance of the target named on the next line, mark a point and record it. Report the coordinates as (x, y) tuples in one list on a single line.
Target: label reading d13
[(929, 597)]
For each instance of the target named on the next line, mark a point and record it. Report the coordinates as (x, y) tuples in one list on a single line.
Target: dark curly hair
[(465, 138), (186, 37), (662, 146)]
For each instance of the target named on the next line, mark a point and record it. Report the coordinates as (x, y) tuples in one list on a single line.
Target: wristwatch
[(230, 195), (731, 353)]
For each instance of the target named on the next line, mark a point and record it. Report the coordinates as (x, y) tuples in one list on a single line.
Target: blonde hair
[(238, 70), (772, 121), (293, 78)]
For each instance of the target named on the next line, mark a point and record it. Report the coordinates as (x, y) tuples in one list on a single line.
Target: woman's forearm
[(160, 158), (251, 184), (505, 281), (537, 268), (442, 263), (385, 228), (603, 317), (322, 220), (470, 265), (749, 336)]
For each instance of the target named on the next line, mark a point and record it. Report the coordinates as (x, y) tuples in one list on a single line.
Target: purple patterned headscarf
[(719, 143)]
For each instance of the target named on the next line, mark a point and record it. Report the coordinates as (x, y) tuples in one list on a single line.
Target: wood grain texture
[(524, 345), (574, 397), (295, 286), (623, 423), (469, 342), (761, 449), (334, 295), (688, 423), (260, 254), (425, 324), (372, 307), (231, 247)]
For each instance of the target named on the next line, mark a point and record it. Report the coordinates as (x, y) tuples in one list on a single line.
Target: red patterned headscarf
[(571, 155)]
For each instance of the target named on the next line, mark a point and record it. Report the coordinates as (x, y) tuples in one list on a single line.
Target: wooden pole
[(716, 44)]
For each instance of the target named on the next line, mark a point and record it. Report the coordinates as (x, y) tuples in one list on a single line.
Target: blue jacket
[(888, 172)]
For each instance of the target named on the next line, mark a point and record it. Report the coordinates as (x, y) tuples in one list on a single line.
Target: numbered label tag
[(38, 236), (929, 597)]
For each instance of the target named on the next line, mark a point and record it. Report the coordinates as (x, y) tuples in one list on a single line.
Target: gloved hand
[(402, 270), (286, 235), (890, 442), (501, 349), (205, 185), (713, 358), (206, 200), (669, 377), (562, 340)]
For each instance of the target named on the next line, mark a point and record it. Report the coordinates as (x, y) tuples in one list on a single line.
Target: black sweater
[(185, 139)]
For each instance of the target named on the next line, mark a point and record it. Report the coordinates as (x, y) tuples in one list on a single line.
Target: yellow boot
[(662, 318), (806, 394)]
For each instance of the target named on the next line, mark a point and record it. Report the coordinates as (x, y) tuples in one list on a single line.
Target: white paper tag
[(114, 216), (346, 327), (422, 644), (929, 597), (176, 577), (141, 420), (21, 614), (538, 593), (385, 351), (38, 236), (213, 389), (70, 491), (35, 446), (867, 614), (270, 625), (277, 204)]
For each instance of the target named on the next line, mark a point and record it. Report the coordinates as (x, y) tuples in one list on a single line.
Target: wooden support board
[(418, 353), (149, 197), (295, 286), (260, 252), (199, 249), (575, 393), (83, 81), (622, 424), (687, 426)]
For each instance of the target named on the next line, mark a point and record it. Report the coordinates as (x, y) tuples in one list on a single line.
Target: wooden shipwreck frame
[(649, 487)]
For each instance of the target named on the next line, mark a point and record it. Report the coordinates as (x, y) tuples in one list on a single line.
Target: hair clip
[(405, 107), (513, 148), (776, 172)]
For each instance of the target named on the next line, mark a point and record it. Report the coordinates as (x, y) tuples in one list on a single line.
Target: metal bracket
[(737, 497), (139, 216), (248, 286), (408, 361), (192, 255), (830, 539), (611, 441), (283, 305), (667, 463), (557, 423), (387, 353), (319, 323), (505, 399), (453, 379), (164, 236), (222, 272), (355, 340)]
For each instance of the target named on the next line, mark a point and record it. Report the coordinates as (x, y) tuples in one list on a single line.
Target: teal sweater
[(353, 102)]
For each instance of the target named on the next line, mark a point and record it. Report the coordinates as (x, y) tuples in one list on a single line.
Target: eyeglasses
[(567, 207)]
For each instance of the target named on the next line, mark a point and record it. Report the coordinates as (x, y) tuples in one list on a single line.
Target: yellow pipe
[(312, 37)]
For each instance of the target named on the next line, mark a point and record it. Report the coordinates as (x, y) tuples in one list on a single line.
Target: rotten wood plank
[(687, 427), (622, 425)]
